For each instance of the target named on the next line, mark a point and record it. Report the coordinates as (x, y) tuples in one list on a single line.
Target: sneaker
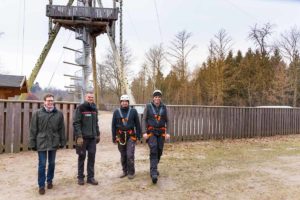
[(80, 182), (50, 185), (42, 191), (154, 179), (92, 181), (130, 176), (123, 175)]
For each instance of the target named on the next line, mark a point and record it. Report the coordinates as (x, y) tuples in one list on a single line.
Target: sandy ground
[(241, 169)]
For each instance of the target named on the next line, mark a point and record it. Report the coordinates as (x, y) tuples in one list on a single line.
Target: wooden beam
[(80, 22)]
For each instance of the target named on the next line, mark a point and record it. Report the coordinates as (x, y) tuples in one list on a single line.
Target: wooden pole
[(93, 55)]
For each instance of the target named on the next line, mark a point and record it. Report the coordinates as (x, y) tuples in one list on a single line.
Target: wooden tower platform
[(95, 19)]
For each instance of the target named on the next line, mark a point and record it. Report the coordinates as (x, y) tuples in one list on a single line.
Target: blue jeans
[(42, 167)]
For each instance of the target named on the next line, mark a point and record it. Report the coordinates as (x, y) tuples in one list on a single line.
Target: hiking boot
[(130, 176), (154, 179), (50, 185), (123, 175), (80, 182), (92, 181), (42, 191)]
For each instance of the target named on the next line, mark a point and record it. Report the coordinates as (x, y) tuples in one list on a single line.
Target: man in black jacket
[(47, 134), (87, 134), (155, 131), (126, 131)]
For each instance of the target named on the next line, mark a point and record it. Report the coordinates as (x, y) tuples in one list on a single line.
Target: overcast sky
[(146, 23)]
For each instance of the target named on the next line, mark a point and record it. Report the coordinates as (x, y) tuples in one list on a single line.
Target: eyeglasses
[(49, 100)]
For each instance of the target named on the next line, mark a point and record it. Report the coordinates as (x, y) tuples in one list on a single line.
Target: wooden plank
[(2, 127), (221, 126), (192, 124), (210, 124), (197, 123), (26, 126), (218, 124), (232, 119), (66, 122), (238, 122), (281, 121), (205, 124), (246, 123), (253, 122), (9, 129), (17, 127), (176, 124), (263, 125), (70, 127), (226, 121), (184, 125), (274, 118), (200, 124)]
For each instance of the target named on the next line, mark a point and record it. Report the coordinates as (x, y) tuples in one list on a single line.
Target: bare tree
[(220, 45), (109, 75), (179, 50), (154, 60), (290, 47), (260, 36)]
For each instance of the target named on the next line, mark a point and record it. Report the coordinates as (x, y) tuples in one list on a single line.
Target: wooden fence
[(15, 119), (204, 122), (186, 122)]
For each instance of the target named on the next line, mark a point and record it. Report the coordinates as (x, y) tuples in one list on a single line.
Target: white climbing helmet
[(157, 93), (124, 97)]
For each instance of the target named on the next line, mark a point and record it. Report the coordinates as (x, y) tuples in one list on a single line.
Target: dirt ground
[(266, 168)]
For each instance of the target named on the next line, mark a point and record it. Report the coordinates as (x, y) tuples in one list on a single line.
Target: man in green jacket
[(87, 134), (47, 134)]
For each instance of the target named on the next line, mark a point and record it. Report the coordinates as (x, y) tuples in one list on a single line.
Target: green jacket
[(47, 130), (85, 121)]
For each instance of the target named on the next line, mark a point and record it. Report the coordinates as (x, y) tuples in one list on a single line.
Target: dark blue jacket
[(149, 116), (133, 122)]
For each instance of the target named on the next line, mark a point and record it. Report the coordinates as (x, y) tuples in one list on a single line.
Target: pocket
[(41, 141), (55, 140)]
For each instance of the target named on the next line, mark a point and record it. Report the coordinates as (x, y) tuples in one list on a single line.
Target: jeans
[(42, 167)]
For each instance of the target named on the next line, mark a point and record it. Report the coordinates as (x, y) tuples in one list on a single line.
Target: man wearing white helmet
[(155, 131), (126, 131)]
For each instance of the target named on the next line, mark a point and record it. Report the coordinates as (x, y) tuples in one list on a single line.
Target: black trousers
[(127, 156), (156, 145), (89, 145)]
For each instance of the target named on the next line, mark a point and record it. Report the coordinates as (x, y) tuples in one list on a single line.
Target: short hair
[(48, 95), (89, 92)]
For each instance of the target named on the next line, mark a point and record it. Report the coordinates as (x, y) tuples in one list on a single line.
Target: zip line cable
[(23, 37), (158, 21), (59, 60)]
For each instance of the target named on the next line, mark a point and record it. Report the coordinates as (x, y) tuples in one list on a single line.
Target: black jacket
[(133, 122), (85, 121)]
